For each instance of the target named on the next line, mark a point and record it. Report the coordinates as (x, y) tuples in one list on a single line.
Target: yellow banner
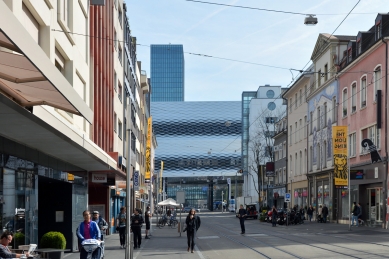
[(340, 150), (148, 149)]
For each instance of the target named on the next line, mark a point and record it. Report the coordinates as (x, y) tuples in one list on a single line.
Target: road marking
[(199, 252), (255, 235), (208, 237)]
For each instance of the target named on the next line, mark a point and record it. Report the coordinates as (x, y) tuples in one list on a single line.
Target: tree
[(261, 146)]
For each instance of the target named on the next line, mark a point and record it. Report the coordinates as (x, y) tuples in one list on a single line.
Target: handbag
[(117, 228)]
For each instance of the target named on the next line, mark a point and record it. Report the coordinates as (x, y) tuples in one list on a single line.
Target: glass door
[(375, 206)]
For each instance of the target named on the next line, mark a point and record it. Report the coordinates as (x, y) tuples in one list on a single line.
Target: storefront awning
[(27, 75)]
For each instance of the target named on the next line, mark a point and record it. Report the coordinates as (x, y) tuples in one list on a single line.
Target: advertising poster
[(340, 151), (148, 150)]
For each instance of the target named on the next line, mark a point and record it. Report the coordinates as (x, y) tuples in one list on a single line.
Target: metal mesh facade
[(197, 138), (167, 73)]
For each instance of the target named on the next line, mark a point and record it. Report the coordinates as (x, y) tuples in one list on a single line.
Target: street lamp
[(222, 201), (310, 20)]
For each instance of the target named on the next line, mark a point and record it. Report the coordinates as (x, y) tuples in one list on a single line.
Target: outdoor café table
[(45, 252)]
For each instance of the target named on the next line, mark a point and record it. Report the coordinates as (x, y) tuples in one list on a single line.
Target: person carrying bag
[(193, 223)]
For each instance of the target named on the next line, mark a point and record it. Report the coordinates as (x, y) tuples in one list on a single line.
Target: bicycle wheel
[(174, 224), (161, 224)]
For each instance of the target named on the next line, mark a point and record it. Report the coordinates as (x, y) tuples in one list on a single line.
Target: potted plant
[(55, 240), (18, 239)]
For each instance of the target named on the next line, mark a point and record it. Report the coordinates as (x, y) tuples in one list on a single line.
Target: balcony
[(144, 82)]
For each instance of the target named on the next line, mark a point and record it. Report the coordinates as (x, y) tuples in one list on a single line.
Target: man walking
[(242, 214), (147, 220), (325, 213), (136, 224), (103, 225), (355, 215)]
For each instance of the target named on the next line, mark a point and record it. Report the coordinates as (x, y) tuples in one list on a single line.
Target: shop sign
[(367, 144), (340, 151), (99, 178), (356, 174), (136, 180)]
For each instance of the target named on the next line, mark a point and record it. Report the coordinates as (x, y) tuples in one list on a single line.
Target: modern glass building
[(199, 143), (167, 73)]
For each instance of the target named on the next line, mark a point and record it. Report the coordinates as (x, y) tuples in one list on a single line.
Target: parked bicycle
[(171, 222)]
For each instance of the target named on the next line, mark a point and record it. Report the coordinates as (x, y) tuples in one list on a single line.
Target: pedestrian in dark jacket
[(136, 224), (274, 216), (193, 223), (310, 212), (355, 214), (325, 213), (242, 216)]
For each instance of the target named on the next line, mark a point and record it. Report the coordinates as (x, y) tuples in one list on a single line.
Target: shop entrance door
[(375, 204)]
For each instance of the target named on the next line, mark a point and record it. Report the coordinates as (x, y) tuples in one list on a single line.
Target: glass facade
[(167, 73), (197, 138), (246, 98)]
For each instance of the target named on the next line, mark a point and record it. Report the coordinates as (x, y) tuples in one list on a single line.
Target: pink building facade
[(362, 106)]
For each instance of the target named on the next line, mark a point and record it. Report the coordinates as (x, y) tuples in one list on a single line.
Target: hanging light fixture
[(310, 20)]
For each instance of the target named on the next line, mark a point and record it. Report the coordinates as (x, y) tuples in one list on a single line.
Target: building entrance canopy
[(28, 76)]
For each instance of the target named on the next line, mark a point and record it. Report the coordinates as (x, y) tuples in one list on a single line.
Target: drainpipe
[(384, 40)]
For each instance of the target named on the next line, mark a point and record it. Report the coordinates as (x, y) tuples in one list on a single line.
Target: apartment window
[(324, 154), (363, 92), (63, 12), (318, 118), (344, 103), (359, 46), (115, 80), (318, 157), (352, 140), (305, 91), (291, 166), (378, 30), (290, 141), (319, 78), (306, 157), (284, 175), (353, 98), (301, 97), (284, 150), (311, 122), (305, 126), (311, 158), (120, 53), (115, 39), (295, 102), (120, 126), (377, 81), (374, 135), (301, 163), (290, 104), (325, 72), (120, 92), (30, 24), (120, 16), (295, 164), (301, 128), (325, 115), (59, 62), (349, 54), (334, 110), (114, 122), (296, 132), (125, 129)]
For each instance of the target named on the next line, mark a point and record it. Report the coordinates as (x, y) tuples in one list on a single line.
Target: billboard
[(148, 149), (340, 151)]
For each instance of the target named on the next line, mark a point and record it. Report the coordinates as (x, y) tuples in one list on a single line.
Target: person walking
[(193, 223), (274, 216), (325, 213), (319, 214), (88, 229), (360, 213), (355, 214), (121, 226), (136, 224), (242, 214), (310, 212), (103, 225), (147, 220)]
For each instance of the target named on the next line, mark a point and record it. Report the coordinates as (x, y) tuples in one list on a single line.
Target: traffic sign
[(287, 197)]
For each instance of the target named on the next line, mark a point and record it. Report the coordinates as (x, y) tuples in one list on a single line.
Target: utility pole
[(128, 196), (222, 201)]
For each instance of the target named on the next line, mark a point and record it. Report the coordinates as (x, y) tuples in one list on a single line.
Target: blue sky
[(269, 38)]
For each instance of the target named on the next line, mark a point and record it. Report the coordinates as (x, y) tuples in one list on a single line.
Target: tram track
[(280, 235)]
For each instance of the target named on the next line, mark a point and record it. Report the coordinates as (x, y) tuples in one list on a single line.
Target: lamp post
[(222, 201)]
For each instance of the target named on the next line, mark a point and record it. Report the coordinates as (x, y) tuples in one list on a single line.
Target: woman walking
[(192, 225), (274, 216), (121, 226)]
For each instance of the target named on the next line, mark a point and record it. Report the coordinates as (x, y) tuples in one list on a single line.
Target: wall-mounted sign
[(356, 174), (99, 178), (340, 150), (270, 169), (136, 180), (369, 145), (148, 149)]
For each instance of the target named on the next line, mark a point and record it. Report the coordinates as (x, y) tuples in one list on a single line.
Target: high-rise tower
[(167, 73)]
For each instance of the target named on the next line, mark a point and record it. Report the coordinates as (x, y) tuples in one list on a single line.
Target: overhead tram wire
[(266, 10)]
